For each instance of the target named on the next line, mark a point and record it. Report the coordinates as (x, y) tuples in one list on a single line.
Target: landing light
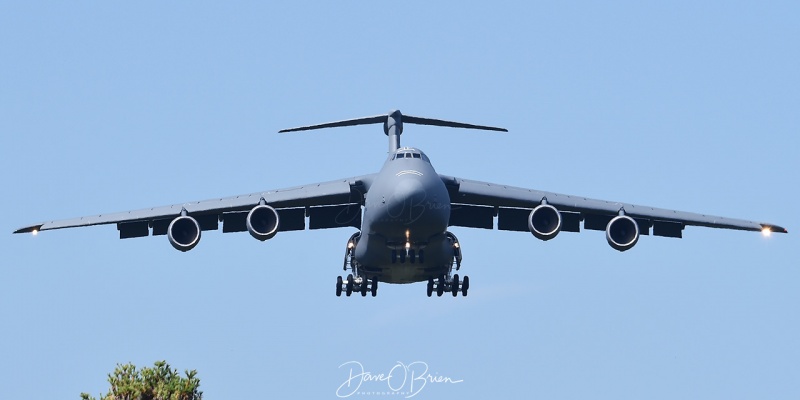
[(350, 245), (766, 232), (35, 232), (408, 245)]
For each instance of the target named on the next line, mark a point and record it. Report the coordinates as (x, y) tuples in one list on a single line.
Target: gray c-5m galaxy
[(403, 213)]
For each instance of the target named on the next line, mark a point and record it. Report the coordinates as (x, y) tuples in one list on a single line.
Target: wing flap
[(291, 219), (595, 222), (471, 216), (570, 221), (513, 219), (334, 216), (668, 229), (133, 229), (235, 221)]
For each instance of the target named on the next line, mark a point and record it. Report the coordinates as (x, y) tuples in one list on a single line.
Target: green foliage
[(157, 383)]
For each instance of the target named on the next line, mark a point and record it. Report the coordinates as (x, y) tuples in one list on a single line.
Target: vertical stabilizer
[(393, 128)]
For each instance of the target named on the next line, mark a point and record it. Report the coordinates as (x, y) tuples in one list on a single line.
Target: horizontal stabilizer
[(398, 118), (438, 122), (378, 119), (393, 125)]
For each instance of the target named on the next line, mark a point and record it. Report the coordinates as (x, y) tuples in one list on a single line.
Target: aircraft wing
[(475, 204), (324, 203)]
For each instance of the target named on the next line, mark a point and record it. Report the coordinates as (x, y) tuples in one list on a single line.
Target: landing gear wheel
[(455, 285), (363, 287), (349, 288), (440, 287), (430, 287), (411, 256), (338, 286), (465, 286), (374, 286)]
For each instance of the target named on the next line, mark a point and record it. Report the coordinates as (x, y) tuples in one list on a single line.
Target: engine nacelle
[(184, 233), (263, 222), (544, 222), (622, 232)]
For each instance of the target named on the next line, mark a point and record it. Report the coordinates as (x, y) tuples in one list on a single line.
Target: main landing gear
[(356, 281), (356, 284), (449, 283), (442, 285)]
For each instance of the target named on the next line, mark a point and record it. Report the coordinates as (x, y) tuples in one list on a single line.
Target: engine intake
[(544, 222), (184, 233), (622, 232), (263, 222)]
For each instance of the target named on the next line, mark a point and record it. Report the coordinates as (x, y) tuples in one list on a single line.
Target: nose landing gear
[(408, 255)]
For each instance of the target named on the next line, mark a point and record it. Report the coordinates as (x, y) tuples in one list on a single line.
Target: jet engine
[(544, 222), (622, 232), (184, 233), (263, 222)]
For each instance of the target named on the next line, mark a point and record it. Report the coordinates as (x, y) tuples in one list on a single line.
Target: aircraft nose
[(408, 200)]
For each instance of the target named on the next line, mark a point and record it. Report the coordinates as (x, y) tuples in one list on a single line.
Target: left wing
[(324, 203), (475, 204)]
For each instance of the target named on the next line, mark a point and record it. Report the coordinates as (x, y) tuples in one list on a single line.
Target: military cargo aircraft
[(402, 214)]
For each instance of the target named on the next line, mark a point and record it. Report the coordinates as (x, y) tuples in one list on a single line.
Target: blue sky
[(110, 107)]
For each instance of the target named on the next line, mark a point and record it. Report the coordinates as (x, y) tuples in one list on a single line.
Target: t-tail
[(393, 125)]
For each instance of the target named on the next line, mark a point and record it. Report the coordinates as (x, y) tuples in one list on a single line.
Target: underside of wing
[(324, 205), (476, 204)]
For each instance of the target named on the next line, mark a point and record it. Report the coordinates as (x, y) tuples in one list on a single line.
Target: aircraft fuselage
[(406, 214)]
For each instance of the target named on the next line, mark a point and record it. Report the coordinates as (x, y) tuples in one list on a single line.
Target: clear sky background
[(690, 106)]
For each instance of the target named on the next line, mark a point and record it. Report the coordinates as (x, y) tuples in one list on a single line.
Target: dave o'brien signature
[(408, 378)]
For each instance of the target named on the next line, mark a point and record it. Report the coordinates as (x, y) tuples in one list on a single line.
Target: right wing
[(324, 203), (476, 203)]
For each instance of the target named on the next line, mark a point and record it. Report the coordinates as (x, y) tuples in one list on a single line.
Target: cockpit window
[(411, 155)]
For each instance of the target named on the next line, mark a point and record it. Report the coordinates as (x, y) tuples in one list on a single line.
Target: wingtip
[(29, 229), (774, 228)]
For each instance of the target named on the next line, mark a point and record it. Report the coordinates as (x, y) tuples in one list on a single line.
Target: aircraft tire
[(430, 287), (455, 285), (338, 286), (374, 286), (465, 286), (349, 285)]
